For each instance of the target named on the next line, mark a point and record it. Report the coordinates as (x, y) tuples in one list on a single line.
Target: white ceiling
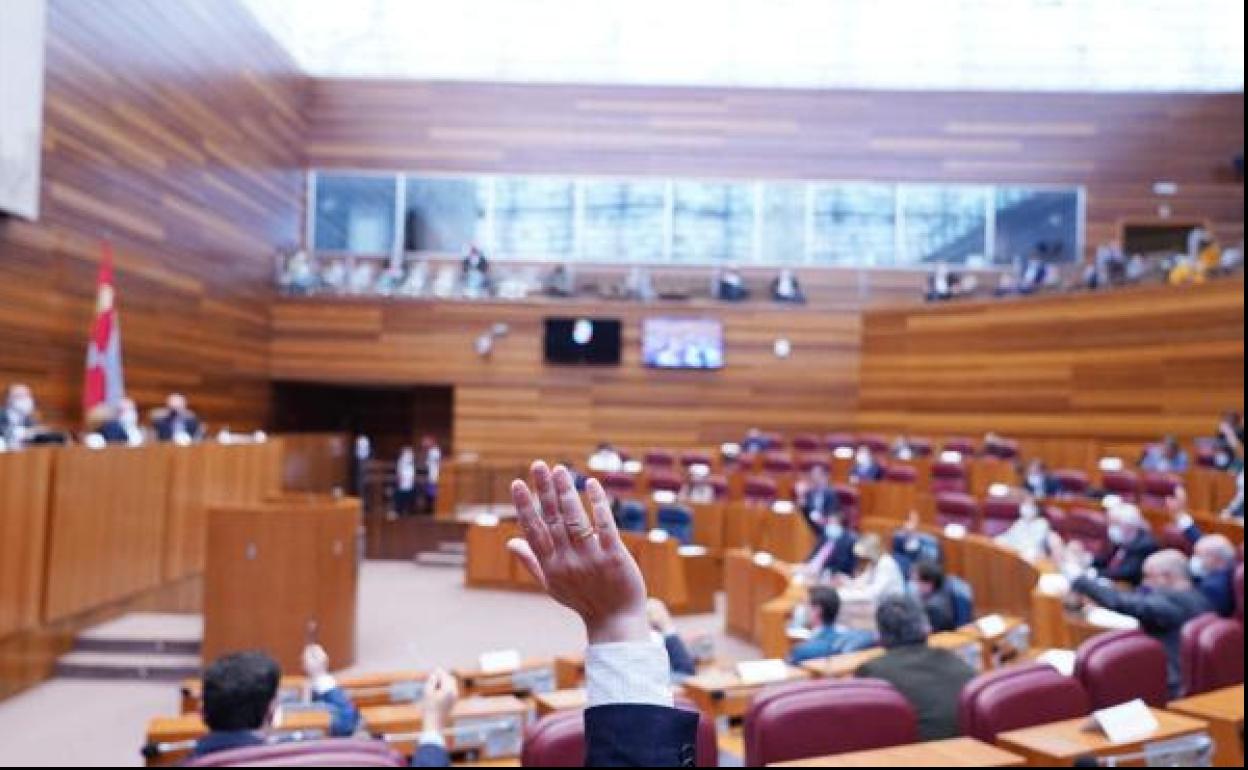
[(1032, 45)]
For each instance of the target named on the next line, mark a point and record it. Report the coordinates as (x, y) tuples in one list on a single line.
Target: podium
[(282, 573)]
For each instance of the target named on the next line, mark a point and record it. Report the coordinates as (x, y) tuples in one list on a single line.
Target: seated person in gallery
[(1029, 535), (947, 601), (730, 286), (827, 637), (415, 280), (1131, 543), (405, 482), (1037, 271), (1165, 457), (902, 449), (819, 500), (755, 442), (865, 467), (785, 288), (605, 459), (474, 273), (559, 282), (699, 489), (1038, 481), (176, 422), (334, 276), (122, 426), (19, 419), (833, 553), (363, 276), (944, 284)]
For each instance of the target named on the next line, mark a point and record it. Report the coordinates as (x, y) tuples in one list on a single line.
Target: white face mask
[(1116, 535), (1028, 511), (1196, 566), (23, 405), (864, 458), (833, 531)]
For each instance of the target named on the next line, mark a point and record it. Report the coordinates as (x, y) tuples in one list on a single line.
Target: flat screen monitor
[(682, 343), (594, 341)]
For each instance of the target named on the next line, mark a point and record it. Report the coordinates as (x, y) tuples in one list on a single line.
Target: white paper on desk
[(991, 626), (691, 550), (498, 661), (762, 671), (1126, 723), (955, 531), (1062, 660), (1103, 618)]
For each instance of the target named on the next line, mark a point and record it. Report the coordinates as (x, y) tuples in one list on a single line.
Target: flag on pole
[(104, 384)]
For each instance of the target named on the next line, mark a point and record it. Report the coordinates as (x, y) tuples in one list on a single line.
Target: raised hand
[(441, 692), (580, 561)]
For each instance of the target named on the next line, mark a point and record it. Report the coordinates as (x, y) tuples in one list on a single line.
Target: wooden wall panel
[(1124, 367), (512, 406), (25, 486), (1115, 144), (177, 135), (107, 526)]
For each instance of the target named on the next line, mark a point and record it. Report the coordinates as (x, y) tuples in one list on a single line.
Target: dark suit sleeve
[(628, 735), (430, 755), (678, 655), (939, 608), (1131, 568), (344, 717), (1153, 610)]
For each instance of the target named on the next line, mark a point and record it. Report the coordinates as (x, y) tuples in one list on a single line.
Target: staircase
[(140, 646)]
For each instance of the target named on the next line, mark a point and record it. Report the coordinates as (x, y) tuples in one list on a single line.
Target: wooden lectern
[(282, 573)]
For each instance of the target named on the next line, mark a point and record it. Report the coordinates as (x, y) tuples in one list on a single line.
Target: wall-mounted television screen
[(682, 343), (582, 341)]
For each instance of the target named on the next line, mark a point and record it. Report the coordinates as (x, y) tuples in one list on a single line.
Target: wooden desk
[(559, 700), (1004, 646), (400, 725), (171, 739), (845, 665), (531, 676), (569, 671), (1061, 743), (1224, 711), (955, 752), (723, 694)]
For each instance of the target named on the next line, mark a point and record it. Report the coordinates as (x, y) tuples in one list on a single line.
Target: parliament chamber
[(549, 384)]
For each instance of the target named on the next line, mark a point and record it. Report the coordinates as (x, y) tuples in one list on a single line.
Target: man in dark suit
[(865, 467), (17, 417), (123, 427), (582, 563), (1038, 482), (930, 678), (1131, 543), (176, 422), (1213, 559), (819, 501), (941, 601), (1169, 601)]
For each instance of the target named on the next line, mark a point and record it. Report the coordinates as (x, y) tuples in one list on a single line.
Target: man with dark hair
[(827, 638), (930, 678), (938, 599)]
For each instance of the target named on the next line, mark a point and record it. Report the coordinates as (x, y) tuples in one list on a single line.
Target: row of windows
[(693, 222)]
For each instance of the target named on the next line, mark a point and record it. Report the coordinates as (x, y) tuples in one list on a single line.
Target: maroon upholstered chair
[(778, 462), (664, 480), (775, 441), (900, 472), (999, 514), (960, 444), (1086, 526), (1211, 654), (810, 460), (1206, 452), (1156, 487), (1239, 592), (1124, 483), (619, 483), (329, 752), (1171, 536), (835, 441), (659, 458), (850, 503), (806, 442), (957, 508), (719, 485), (694, 457), (558, 740), (948, 477), (1071, 482), (826, 716), (1002, 449), (877, 443), (921, 447), (760, 489), (1120, 666), (1017, 697)]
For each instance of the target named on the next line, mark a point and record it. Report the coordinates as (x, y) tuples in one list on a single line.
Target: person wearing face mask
[(1038, 481), (834, 553), (1029, 534), (1213, 568), (1131, 543), (18, 423), (819, 501), (878, 577), (827, 637), (1167, 600), (176, 422), (865, 467), (124, 427)]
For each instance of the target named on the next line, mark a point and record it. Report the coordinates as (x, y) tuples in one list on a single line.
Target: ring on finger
[(580, 531)]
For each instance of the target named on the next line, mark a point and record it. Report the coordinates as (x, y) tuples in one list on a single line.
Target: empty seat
[(806, 442), (760, 489), (1211, 654), (558, 740), (1017, 697), (1071, 482), (826, 716), (948, 477), (619, 484), (664, 480), (900, 472), (960, 444), (659, 458), (695, 458), (920, 447), (1119, 666), (1086, 526), (810, 460), (1002, 449), (1155, 488), (775, 441), (877, 443), (778, 462), (332, 752), (957, 508), (677, 521), (999, 514), (1124, 483)]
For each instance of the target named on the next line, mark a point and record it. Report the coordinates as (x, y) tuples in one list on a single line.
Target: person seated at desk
[(662, 627), (558, 282), (19, 421), (698, 489), (1029, 534), (755, 442), (834, 550), (176, 422), (730, 286), (1166, 457), (1167, 602), (1228, 452), (785, 288), (240, 693), (123, 427), (1131, 543), (930, 678), (474, 273), (865, 467), (605, 459), (1038, 481), (1213, 559), (878, 578), (902, 449), (946, 601), (827, 638)]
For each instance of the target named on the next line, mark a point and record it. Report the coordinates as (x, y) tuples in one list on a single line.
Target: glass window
[(623, 221), (854, 224), (712, 222), (1026, 218), (354, 214), (443, 215), (784, 224), (944, 223), (534, 217)]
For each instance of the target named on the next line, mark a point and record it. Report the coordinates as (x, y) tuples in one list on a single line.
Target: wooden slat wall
[(1123, 367), (512, 406), (177, 134), (1115, 144)]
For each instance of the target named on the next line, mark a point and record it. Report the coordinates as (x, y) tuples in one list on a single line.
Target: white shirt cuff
[(323, 683), (432, 738), (1185, 521), (628, 672)]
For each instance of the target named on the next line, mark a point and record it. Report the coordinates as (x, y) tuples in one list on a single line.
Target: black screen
[(582, 341)]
